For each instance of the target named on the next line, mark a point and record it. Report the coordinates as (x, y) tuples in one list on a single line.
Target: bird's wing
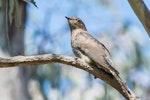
[(96, 51)]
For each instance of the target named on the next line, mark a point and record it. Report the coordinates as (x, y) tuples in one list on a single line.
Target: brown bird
[(88, 48)]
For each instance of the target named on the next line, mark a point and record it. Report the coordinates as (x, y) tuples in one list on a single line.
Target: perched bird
[(88, 48)]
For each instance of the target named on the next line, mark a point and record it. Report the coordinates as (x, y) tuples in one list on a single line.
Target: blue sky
[(50, 17)]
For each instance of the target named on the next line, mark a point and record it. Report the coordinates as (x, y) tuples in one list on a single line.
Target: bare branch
[(115, 81), (142, 13)]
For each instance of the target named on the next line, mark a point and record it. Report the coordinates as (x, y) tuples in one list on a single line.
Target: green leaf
[(31, 1), (34, 3)]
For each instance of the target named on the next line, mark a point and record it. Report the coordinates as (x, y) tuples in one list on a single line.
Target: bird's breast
[(76, 42)]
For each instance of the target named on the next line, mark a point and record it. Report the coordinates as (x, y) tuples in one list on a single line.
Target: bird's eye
[(79, 21)]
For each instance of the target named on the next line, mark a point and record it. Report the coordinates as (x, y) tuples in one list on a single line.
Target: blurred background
[(40, 27)]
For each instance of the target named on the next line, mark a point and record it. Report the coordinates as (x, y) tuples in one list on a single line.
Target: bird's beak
[(67, 17)]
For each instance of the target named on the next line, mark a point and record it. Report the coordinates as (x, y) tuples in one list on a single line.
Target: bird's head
[(75, 23)]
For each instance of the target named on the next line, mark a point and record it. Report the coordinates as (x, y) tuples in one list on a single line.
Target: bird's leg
[(84, 63)]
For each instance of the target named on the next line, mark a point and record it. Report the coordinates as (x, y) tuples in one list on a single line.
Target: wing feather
[(96, 51)]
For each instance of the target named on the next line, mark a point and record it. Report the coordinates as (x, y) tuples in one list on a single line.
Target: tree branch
[(141, 12), (115, 82)]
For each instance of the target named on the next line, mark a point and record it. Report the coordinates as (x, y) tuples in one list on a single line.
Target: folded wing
[(96, 51)]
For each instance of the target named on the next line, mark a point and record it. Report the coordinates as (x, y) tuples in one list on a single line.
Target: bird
[(89, 49)]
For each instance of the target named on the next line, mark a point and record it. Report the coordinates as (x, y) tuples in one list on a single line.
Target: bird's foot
[(83, 63)]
